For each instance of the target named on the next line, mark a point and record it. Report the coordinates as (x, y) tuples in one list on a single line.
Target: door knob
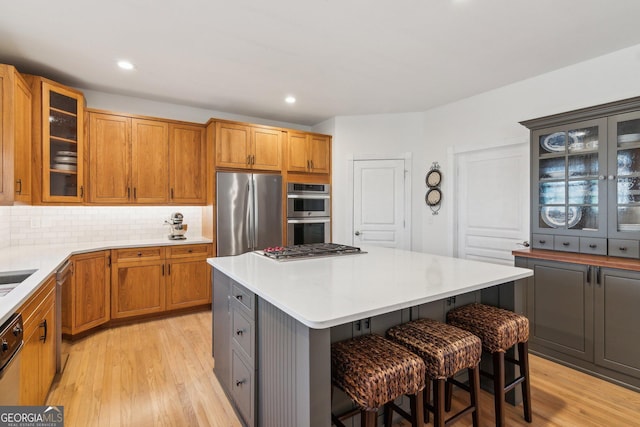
[(357, 233)]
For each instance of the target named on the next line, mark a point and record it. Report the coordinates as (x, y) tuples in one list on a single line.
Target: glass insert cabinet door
[(624, 175), (571, 185), (62, 144)]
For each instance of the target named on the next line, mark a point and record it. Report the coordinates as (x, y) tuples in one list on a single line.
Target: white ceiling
[(337, 57)]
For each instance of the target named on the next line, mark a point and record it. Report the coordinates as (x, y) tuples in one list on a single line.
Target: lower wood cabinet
[(137, 282), (38, 357), (586, 316), (124, 283), (86, 302), (156, 279)]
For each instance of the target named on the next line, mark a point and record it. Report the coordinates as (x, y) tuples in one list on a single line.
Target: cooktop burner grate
[(310, 250)]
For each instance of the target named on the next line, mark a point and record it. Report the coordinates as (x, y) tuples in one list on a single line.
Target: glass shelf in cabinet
[(62, 102)]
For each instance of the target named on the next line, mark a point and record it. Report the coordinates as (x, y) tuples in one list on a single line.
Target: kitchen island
[(274, 321)]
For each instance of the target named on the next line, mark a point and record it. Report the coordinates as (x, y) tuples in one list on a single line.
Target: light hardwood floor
[(159, 373)]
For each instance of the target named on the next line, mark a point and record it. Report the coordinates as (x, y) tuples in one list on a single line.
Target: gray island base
[(273, 322)]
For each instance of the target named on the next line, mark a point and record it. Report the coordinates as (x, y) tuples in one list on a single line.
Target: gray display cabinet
[(586, 317), (585, 180)]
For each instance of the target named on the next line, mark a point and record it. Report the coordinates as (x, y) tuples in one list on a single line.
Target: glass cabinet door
[(62, 144), (624, 175), (571, 171)]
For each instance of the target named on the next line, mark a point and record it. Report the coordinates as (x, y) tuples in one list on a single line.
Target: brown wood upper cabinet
[(248, 147), (134, 160), (187, 164), (308, 153), (15, 137), (58, 142)]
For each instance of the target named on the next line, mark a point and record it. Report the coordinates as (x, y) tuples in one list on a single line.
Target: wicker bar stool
[(373, 371), (446, 350), (499, 330)]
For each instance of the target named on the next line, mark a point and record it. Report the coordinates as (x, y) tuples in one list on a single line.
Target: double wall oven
[(308, 213)]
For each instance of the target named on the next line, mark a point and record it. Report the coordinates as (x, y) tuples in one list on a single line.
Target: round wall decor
[(433, 198)]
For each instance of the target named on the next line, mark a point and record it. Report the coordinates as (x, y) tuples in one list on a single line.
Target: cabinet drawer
[(243, 333), (566, 243), (542, 241), (132, 254), (244, 298), (188, 251), (624, 248), (595, 246), (242, 387)]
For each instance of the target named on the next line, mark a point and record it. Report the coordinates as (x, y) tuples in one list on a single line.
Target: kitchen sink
[(10, 279)]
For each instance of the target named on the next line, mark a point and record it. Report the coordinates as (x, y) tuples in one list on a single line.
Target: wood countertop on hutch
[(577, 258)]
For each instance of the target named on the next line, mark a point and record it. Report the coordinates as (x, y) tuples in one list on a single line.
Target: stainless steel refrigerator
[(248, 212)]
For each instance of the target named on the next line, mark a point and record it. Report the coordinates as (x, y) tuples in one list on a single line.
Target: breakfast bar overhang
[(295, 309)]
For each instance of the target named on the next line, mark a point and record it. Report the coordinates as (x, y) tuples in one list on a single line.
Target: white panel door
[(492, 214), (379, 203)]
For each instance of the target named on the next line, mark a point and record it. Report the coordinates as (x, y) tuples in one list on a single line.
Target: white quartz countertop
[(325, 292), (46, 259)]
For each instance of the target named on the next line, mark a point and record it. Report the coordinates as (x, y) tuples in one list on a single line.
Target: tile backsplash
[(5, 215), (35, 225)]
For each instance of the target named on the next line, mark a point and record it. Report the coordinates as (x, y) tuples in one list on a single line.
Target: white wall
[(387, 135), (484, 120), (145, 107)]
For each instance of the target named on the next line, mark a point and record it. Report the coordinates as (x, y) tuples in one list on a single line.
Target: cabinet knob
[(239, 383), (602, 177), (612, 177), (623, 248), (542, 242), (565, 243), (239, 332), (593, 246), (139, 253), (239, 297)]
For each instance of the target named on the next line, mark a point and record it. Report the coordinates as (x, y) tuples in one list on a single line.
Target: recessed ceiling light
[(125, 65), (290, 100)]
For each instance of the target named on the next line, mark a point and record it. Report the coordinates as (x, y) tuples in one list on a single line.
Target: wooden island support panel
[(273, 322)]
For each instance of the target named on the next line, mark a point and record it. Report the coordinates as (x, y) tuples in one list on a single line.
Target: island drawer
[(132, 254), (243, 333), (188, 251), (243, 388), (243, 298)]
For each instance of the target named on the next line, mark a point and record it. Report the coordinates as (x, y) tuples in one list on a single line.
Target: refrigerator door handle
[(254, 209), (249, 216)]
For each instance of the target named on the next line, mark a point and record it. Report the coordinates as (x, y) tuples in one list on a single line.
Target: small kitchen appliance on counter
[(313, 250), (177, 227)]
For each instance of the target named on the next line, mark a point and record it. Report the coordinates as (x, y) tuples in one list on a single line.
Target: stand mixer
[(177, 227)]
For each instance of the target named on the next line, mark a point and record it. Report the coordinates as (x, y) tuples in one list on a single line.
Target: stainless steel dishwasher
[(63, 283), (11, 343)]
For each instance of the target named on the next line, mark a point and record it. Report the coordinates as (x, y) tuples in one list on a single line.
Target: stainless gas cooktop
[(314, 250)]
